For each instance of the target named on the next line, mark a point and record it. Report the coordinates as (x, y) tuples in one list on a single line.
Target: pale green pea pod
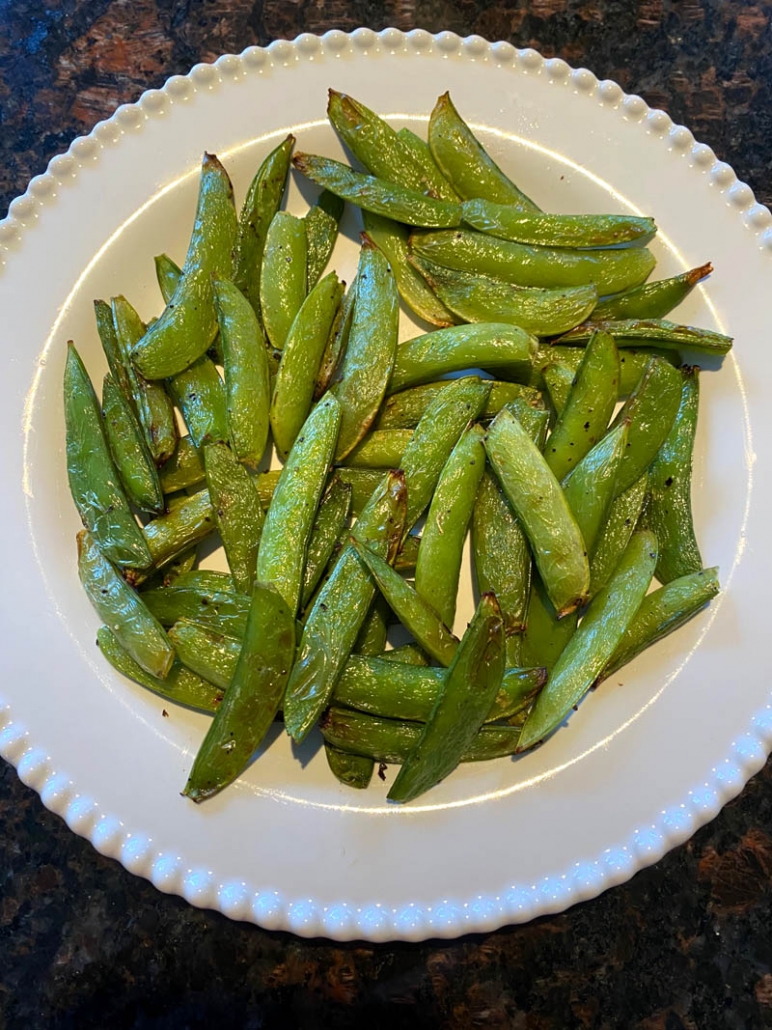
[(188, 324), (614, 537), (245, 366), (288, 523), (652, 300), (404, 410), (525, 265), (353, 770), (200, 395), (437, 184), (237, 512), (657, 332), (129, 449), (184, 469), (558, 379), (168, 273), (123, 610), (378, 195), (293, 388), (321, 232), (283, 275), (508, 222), (464, 161), (337, 341), (186, 524), (380, 449), (331, 518), (595, 641), (487, 345)]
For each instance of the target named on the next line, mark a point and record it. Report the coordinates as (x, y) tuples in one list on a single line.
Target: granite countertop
[(688, 943)]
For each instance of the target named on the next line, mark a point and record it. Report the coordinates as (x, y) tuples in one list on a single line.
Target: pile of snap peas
[(502, 421)]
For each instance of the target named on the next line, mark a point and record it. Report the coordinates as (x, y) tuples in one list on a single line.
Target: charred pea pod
[(353, 770), (508, 222), (652, 300)]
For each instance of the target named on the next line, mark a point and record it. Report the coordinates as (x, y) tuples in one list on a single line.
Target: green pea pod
[(331, 518), (590, 405), (468, 690), (123, 610), (337, 341), (415, 613), (438, 185), (130, 451), (283, 275), (389, 740), (632, 363), (353, 770), (200, 395), (378, 195), (439, 557), (668, 509), (590, 486), (282, 555), (509, 222), (620, 525), (168, 273), (188, 324), (261, 203), (252, 699), (94, 481), (652, 300), (404, 410), (409, 654), (488, 345), (206, 579), (367, 364), (186, 524), (179, 566), (482, 298), (595, 641), (293, 389), (211, 655), (526, 265), (407, 555), (391, 238), (380, 449), (546, 635), (375, 629), (534, 420), (363, 483), (661, 612), (321, 232), (184, 469), (221, 610), (657, 331), (181, 686), (535, 495), (464, 161), (237, 512), (558, 379)]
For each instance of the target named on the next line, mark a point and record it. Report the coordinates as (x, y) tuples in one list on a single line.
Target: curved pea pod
[(184, 469), (378, 195), (595, 641), (392, 740), (331, 518), (614, 537), (633, 362), (130, 452), (464, 161), (375, 629), (253, 696), (535, 420), (181, 686), (261, 203), (222, 610), (94, 481), (652, 300), (468, 690), (415, 613), (525, 265), (439, 557), (353, 770), (363, 483), (283, 275), (321, 232), (558, 379), (546, 635), (488, 345), (590, 405), (171, 572), (188, 324), (367, 363), (483, 298), (405, 409), (590, 486), (535, 495), (237, 512), (661, 612), (337, 341), (437, 184), (391, 238), (657, 331), (186, 524), (508, 222), (409, 654), (293, 388), (407, 555), (168, 273), (123, 610), (200, 395), (211, 655), (380, 449), (281, 557), (668, 508)]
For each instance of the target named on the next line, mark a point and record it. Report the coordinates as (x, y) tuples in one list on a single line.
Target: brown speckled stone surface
[(686, 945)]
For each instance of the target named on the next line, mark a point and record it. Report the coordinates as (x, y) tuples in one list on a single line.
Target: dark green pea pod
[(409, 654), (293, 388), (539, 503), (261, 203), (599, 634), (353, 770), (380, 449), (337, 341), (589, 487), (652, 300), (237, 512), (252, 699), (508, 222), (436, 182), (661, 612), (187, 523), (188, 324), (181, 686), (321, 232), (378, 195), (526, 265), (589, 407), (442, 542), (482, 298), (620, 525), (488, 345), (222, 610), (390, 740), (464, 161), (94, 481), (558, 379), (367, 363), (546, 635), (632, 363), (123, 610), (130, 451), (657, 332), (331, 519), (211, 655), (200, 395), (121, 368), (391, 238), (168, 273), (668, 506), (283, 275), (375, 629), (405, 409), (184, 469), (468, 691)]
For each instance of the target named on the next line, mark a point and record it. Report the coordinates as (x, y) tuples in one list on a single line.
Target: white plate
[(644, 762)]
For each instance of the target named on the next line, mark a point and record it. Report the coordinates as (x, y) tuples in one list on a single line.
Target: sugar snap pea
[(331, 518), (168, 273), (375, 629), (652, 300), (131, 454), (656, 331), (206, 579), (632, 363), (353, 770), (199, 393), (403, 410), (283, 275), (237, 512), (337, 341), (222, 610), (408, 554), (362, 482), (558, 380), (546, 635), (185, 524), (410, 654), (211, 655), (614, 537), (189, 323), (436, 182), (321, 232), (589, 487), (509, 222), (380, 449), (185, 468)]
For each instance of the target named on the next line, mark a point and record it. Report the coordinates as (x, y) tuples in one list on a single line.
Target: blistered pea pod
[(168, 274), (199, 393), (652, 300), (321, 223), (184, 524), (130, 451), (283, 275), (658, 332), (419, 149), (222, 610), (237, 512), (508, 222)]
